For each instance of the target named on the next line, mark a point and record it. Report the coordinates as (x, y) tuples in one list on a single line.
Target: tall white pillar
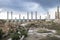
[(36, 15), (11, 16), (27, 15), (7, 15), (19, 17), (31, 15), (40, 16)]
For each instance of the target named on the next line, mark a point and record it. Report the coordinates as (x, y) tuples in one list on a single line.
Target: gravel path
[(33, 35)]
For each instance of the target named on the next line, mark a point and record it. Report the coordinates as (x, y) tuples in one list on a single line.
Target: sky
[(23, 6)]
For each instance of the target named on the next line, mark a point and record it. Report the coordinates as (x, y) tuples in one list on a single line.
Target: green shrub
[(24, 32), (1, 34), (15, 36), (58, 32)]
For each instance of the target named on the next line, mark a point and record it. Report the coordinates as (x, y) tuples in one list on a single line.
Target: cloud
[(25, 5), (31, 6), (46, 3)]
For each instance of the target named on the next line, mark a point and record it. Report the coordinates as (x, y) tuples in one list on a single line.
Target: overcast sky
[(41, 6), (28, 5)]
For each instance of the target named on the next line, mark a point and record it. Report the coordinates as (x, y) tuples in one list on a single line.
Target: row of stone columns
[(23, 16), (48, 15)]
